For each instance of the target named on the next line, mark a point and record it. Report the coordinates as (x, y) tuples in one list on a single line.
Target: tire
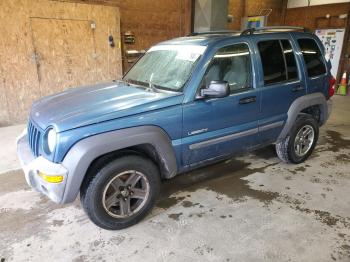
[(288, 147), (110, 182)]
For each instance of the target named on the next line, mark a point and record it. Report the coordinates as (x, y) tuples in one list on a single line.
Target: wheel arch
[(150, 141), (300, 106)]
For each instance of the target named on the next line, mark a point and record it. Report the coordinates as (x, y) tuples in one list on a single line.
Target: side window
[(231, 64), (292, 69), (278, 61), (312, 57), (272, 61)]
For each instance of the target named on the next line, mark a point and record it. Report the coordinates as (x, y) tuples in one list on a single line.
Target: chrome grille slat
[(38, 143), (34, 135), (30, 132), (31, 137)]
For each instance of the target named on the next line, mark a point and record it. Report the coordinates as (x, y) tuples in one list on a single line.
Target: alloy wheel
[(125, 194)]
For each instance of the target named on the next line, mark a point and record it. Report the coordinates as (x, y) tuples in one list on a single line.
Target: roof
[(205, 38)]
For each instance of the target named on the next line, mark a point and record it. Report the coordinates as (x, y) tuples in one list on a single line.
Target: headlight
[(51, 140)]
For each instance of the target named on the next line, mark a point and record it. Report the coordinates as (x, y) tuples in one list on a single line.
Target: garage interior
[(252, 207)]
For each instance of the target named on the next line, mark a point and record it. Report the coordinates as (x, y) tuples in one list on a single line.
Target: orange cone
[(342, 86), (343, 79)]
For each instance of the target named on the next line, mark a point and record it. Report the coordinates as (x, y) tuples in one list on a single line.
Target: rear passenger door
[(281, 82)]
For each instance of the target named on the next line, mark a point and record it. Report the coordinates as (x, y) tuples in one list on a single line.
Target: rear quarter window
[(313, 57)]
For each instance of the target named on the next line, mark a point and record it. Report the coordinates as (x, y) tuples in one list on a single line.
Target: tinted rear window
[(272, 61), (312, 57), (292, 69)]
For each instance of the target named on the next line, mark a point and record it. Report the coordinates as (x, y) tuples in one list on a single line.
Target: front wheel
[(121, 193), (300, 142)]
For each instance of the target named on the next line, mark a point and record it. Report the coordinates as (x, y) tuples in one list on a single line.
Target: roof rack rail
[(213, 32), (251, 31)]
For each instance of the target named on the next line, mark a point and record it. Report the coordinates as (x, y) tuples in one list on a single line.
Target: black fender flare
[(302, 103), (83, 153)]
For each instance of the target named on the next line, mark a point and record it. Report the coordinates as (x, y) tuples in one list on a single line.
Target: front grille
[(34, 135)]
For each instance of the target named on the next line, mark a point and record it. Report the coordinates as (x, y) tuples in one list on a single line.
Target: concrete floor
[(250, 208)]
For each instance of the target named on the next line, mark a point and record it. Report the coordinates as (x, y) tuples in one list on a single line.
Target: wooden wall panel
[(107, 19), (65, 50), (111, 26), (150, 21), (19, 84), (18, 78), (4, 114)]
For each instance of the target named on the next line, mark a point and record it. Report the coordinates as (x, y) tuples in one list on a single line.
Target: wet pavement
[(248, 208)]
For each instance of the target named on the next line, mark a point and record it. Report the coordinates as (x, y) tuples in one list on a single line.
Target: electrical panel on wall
[(129, 37)]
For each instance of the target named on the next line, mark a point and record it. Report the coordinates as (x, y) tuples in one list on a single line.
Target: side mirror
[(216, 89)]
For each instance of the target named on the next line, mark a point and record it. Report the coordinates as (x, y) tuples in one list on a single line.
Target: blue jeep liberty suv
[(187, 102)]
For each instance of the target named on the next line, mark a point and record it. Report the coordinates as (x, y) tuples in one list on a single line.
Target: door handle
[(247, 100), (297, 88)]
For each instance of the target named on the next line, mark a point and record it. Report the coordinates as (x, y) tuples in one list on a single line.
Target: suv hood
[(96, 103)]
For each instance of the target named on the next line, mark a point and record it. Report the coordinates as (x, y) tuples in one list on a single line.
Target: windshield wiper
[(126, 81), (152, 87), (150, 84), (137, 83)]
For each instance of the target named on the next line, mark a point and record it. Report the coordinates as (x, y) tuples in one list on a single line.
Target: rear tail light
[(331, 88)]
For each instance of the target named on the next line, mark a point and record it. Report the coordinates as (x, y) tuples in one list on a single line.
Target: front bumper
[(32, 166)]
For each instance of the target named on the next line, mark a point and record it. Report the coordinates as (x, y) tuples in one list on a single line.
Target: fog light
[(51, 179)]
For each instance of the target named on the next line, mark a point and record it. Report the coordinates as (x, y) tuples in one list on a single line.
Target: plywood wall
[(151, 21), (18, 78), (19, 83)]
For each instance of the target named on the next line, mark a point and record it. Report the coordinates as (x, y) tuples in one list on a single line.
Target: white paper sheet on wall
[(332, 40)]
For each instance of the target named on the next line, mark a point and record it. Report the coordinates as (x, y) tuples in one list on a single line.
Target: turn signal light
[(51, 179)]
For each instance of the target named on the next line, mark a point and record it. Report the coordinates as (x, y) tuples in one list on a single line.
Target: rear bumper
[(32, 165), (329, 108)]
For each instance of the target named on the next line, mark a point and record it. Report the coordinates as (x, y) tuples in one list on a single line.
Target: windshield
[(165, 66)]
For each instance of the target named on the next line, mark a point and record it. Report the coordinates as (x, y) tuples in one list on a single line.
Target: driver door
[(215, 127)]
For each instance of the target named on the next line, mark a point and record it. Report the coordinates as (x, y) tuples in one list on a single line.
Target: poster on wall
[(332, 40)]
